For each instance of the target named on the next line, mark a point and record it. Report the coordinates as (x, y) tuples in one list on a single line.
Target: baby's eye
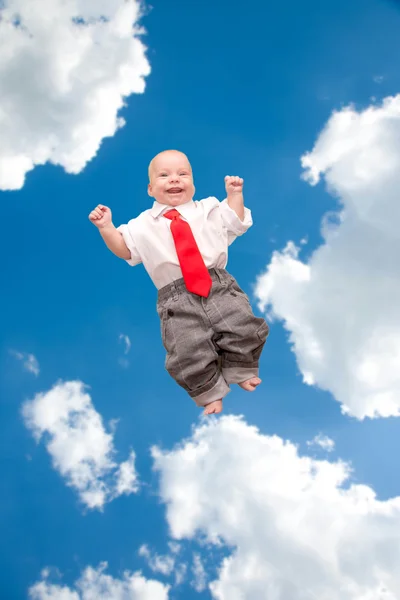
[(163, 174)]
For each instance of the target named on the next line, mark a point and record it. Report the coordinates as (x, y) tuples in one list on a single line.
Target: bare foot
[(251, 384), (213, 408)]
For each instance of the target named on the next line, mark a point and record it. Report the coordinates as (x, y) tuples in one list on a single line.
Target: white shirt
[(214, 224)]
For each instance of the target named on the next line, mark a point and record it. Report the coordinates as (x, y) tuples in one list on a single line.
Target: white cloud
[(323, 441), (81, 449), (200, 578), (298, 527), (180, 573), (65, 68), (165, 564), (127, 342), (127, 477), (30, 362), (341, 308), (95, 584), (175, 547), (124, 362)]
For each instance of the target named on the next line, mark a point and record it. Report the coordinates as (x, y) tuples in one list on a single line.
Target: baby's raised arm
[(102, 218)]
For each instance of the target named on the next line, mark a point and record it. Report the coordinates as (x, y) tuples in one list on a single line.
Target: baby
[(208, 328)]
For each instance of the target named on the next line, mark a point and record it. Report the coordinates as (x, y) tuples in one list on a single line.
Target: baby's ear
[(150, 190)]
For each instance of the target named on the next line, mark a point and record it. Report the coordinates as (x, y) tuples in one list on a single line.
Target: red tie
[(195, 274)]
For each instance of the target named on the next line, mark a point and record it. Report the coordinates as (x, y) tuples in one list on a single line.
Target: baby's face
[(171, 179)]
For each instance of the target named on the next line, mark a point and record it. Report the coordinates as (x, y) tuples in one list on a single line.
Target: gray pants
[(210, 342)]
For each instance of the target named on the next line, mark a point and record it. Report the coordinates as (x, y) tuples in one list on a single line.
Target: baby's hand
[(100, 216), (233, 185)]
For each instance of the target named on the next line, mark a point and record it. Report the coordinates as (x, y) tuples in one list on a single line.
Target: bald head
[(171, 178), (169, 155)]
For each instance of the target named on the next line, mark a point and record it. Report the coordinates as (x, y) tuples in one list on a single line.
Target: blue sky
[(242, 89)]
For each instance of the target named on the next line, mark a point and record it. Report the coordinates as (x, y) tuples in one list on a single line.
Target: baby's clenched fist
[(100, 216), (233, 185)]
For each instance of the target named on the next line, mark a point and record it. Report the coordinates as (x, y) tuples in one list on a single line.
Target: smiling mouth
[(175, 191)]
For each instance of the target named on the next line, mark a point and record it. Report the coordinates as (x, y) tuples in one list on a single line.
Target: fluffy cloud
[(126, 477), (341, 308), (81, 449), (30, 362), (165, 564), (199, 573), (65, 68), (298, 527), (126, 341), (323, 441), (95, 584), (123, 361)]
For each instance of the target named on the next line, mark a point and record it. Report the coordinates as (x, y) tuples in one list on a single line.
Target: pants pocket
[(236, 290), (163, 313)]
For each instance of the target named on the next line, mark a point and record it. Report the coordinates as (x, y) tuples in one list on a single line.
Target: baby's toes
[(213, 408), (254, 383)]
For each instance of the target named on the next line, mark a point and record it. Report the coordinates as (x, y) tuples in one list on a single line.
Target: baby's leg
[(241, 339), (192, 359)]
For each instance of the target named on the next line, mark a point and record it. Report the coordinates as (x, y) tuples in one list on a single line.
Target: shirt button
[(170, 313)]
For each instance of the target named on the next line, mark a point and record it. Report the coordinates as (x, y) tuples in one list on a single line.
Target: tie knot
[(172, 214)]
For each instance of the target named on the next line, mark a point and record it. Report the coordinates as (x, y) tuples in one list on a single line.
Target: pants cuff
[(238, 374), (220, 390)]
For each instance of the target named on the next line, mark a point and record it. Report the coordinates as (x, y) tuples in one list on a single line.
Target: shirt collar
[(184, 209)]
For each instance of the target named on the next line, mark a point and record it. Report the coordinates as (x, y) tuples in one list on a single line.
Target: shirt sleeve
[(233, 225), (127, 231)]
